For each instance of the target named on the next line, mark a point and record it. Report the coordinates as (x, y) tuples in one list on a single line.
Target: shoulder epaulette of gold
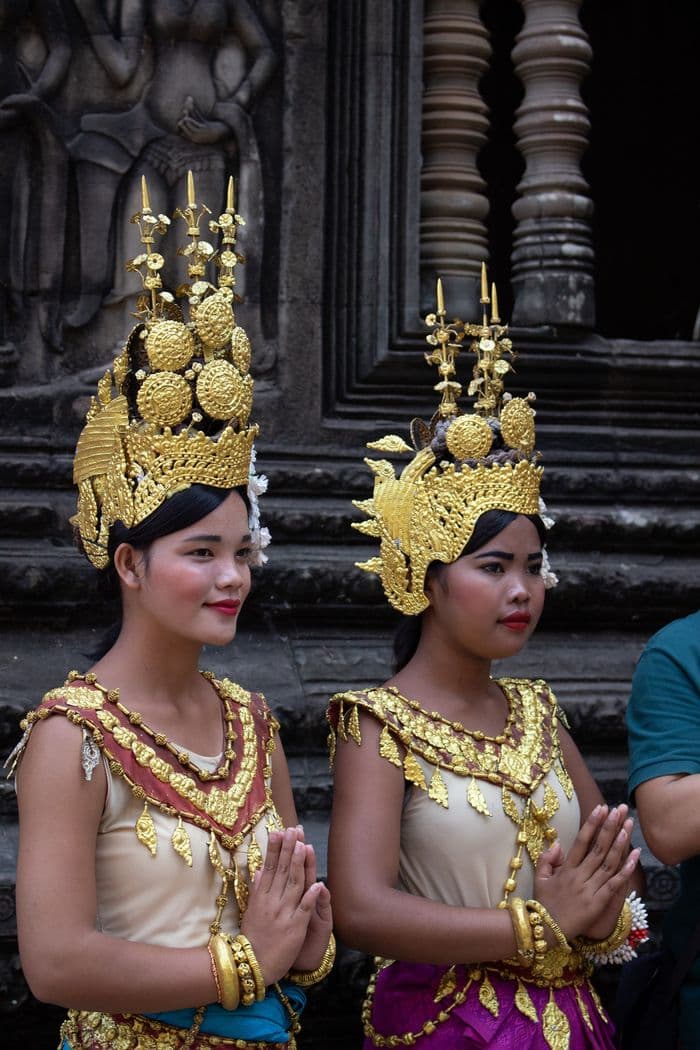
[(518, 758), (75, 696)]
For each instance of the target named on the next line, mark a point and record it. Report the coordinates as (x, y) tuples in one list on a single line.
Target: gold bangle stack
[(225, 972), (254, 965), (539, 910), (617, 938), (250, 976), (539, 918), (524, 940), (305, 978)]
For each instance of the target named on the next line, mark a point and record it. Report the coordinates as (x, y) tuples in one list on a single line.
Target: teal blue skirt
[(264, 1022)]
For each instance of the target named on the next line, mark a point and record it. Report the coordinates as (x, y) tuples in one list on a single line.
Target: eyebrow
[(213, 538), (506, 556)]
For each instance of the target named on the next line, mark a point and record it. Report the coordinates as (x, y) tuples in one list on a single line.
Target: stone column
[(552, 269), (454, 206)]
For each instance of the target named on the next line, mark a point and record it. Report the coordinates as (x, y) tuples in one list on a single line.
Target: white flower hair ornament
[(260, 536), (550, 578)]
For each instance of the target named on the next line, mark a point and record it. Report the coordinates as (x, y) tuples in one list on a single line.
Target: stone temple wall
[(374, 146)]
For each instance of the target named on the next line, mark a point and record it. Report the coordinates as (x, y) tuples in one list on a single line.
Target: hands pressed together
[(288, 920), (585, 890)]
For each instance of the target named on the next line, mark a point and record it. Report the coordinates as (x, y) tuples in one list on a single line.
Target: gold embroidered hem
[(90, 1030), (483, 998)]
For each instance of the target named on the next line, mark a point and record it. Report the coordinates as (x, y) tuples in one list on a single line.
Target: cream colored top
[(471, 794), (460, 856), (160, 899)]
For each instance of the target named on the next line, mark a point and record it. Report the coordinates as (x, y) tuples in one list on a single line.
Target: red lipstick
[(517, 621), (229, 607)]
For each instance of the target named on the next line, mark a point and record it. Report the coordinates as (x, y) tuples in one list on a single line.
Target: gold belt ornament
[(90, 1030)]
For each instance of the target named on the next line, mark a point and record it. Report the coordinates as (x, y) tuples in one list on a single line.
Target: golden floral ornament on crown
[(215, 321), (173, 410), (164, 398), (464, 464), (169, 345)]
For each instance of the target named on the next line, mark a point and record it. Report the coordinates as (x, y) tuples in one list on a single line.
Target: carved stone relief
[(97, 93)]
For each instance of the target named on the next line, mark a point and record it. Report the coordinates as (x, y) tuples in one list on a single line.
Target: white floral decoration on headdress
[(260, 536), (550, 578)]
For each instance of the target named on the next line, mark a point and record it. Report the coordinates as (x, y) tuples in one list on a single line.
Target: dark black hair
[(407, 634), (177, 512)]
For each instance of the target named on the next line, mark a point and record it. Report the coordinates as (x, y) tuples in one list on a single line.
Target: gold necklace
[(459, 727), (182, 756)]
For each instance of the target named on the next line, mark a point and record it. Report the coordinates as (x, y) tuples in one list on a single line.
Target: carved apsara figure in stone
[(35, 54), (204, 62)]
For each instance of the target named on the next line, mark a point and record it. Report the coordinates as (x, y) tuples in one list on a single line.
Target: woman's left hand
[(605, 923), (321, 922)]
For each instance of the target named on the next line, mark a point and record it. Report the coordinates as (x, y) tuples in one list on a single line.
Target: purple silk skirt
[(405, 999)]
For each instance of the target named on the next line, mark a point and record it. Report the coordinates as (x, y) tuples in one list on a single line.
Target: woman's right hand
[(279, 907), (585, 890)]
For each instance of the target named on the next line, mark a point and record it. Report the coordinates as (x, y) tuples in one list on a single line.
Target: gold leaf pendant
[(146, 831), (447, 985), (180, 841), (597, 1002), (413, 772), (255, 858), (437, 790), (476, 799), (564, 779), (555, 1026), (583, 1010), (388, 748), (488, 997), (353, 725), (524, 1003), (240, 888), (215, 857)]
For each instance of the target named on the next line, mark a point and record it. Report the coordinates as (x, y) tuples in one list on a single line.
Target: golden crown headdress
[(173, 409), (464, 464)]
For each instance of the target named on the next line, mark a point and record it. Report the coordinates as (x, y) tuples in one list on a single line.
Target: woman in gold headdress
[(161, 865), (493, 875)]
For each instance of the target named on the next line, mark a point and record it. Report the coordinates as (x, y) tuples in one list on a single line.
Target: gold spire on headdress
[(465, 464), (173, 410)]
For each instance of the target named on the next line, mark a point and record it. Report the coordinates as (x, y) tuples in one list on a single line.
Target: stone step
[(603, 466), (631, 590), (44, 514)]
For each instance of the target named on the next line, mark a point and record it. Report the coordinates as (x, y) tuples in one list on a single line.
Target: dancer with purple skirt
[(471, 851)]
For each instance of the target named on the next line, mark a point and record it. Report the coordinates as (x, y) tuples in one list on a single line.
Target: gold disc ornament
[(169, 345), (223, 392), (214, 321), (240, 349), (165, 399), (518, 425), (469, 437)]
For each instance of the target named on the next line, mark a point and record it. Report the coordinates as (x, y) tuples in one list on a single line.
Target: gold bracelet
[(305, 978), (245, 972), (228, 985), (534, 907), (214, 973), (247, 947), (540, 945), (524, 940), (618, 936)]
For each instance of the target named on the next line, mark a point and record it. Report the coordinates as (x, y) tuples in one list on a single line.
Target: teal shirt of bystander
[(663, 721)]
